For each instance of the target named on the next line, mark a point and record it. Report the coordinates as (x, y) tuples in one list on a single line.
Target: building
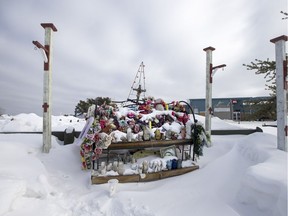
[(228, 108)]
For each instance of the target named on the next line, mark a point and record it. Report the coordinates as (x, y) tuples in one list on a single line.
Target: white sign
[(222, 109)]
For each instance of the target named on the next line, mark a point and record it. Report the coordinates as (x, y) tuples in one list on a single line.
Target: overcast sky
[(100, 44)]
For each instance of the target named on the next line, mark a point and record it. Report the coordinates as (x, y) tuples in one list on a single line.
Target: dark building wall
[(227, 108)]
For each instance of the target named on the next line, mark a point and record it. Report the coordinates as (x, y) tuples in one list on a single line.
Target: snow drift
[(238, 175)]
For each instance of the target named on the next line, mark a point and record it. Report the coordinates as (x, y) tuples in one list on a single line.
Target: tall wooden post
[(210, 70), (208, 101), (281, 91), (47, 48)]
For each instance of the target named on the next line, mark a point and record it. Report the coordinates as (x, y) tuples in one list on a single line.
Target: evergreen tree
[(268, 68), (265, 109), (82, 106), (262, 109)]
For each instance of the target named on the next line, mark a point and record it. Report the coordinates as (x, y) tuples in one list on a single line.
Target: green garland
[(201, 139)]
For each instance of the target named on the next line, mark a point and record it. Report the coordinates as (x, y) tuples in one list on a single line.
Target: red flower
[(98, 152), (96, 137)]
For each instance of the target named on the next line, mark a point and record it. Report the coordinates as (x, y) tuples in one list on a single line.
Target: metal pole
[(208, 102), (281, 91), (49, 27)]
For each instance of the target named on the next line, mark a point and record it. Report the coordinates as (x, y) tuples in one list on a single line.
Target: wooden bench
[(148, 144), (148, 176)]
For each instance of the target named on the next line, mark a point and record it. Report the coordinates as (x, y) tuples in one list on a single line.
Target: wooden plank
[(144, 177), (177, 172), (121, 179), (149, 144)]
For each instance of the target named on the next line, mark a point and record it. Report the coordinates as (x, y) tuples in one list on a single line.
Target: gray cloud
[(99, 46)]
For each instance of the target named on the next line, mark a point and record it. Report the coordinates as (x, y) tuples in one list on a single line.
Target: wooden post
[(49, 27), (208, 101), (281, 91), (210, 70)]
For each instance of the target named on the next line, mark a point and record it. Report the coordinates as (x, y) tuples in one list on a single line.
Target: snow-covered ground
[(238, 175)]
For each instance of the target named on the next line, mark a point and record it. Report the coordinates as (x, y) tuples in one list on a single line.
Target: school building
[(227, 108)]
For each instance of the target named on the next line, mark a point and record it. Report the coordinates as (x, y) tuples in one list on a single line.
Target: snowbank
[(34, 123), (264, 185), (238, 175)]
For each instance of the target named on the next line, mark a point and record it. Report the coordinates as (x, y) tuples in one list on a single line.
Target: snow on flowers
[(153, 120)]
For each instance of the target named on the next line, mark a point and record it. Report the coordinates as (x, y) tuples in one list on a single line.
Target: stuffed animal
[(102, 168), (188, 129), (168, 134), (146, 133), (121, 168), (109, 127), (105, 140), (136, 128), (145, 166), (129, 134), (91, 111), (159, 104), (182, 134), (157, 134), (123, 125)]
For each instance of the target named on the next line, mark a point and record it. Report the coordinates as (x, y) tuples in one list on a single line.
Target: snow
[(239, 175)]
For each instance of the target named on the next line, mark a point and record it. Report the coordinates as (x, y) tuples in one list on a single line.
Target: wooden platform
[(144, 177)]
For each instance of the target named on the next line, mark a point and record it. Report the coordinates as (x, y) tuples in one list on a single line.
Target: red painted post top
[(283, 37), (209, 48), (49, 25)]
